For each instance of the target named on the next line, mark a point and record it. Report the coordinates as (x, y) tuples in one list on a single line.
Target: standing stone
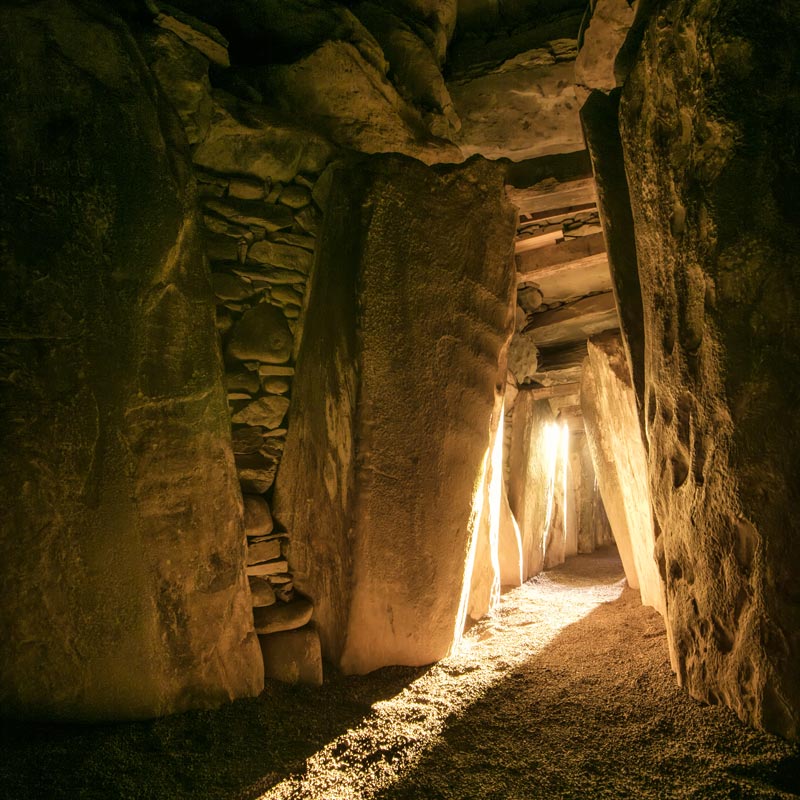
[(713, 172), (392, 404), (620, 463), (122, 583), (531, 471)]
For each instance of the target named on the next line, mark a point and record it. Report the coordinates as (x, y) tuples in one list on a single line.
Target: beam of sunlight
[(398, 732), (565, 468), (552, 438), (478, 495), (495, 499)]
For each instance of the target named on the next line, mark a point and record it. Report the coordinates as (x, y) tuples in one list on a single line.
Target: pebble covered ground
[(565, 693)]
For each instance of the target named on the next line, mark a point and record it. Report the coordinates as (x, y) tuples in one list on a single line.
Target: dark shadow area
[(238, 751)]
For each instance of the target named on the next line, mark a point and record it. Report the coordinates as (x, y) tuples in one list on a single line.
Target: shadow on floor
[(229, 753), (598, 714)]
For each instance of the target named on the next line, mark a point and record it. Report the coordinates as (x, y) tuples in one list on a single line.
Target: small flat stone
[(245, 213), (231, 287), (285, 294), (293, 656), (275, 385), (266, 370), (258, 552), (295, 196), (284, 616), (268, 568), (308, 220), (246, 189), (241, 382), (267, 412), (257, 516), (281, 255), (238, 396), (295, 239), (261, 591)]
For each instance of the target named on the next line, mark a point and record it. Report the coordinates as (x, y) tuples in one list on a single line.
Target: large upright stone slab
[(122, 585), (614, 436), (710, 130), (418, 265), (532, 465)]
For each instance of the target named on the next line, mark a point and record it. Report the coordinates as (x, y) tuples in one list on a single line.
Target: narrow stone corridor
[(565, 693)]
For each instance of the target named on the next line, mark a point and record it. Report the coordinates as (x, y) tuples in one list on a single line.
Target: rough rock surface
[(293, 656), (620, 463), (717, 213), (123, 591), (434, 270), (354, 104), (602, 40), (525, 108), (531, 468)]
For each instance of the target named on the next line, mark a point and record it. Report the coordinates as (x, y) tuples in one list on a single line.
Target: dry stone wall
[(257, 174)]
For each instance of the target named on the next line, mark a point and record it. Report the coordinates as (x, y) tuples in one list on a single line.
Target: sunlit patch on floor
[(398, 732)]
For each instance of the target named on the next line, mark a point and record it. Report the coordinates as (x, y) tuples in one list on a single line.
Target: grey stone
[(231, 287), (261, 592), (293, 656), (284, 616), (266, 411), (241, 382), (246, 213), (276, 385), (268, 568), (295, 196), (261, 335), (284, 256), (257, 516), (258, 552)]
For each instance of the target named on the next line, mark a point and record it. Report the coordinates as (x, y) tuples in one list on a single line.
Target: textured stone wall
[(260, 202), (122, 581), (709, 128), (421, 262), (530, 471)]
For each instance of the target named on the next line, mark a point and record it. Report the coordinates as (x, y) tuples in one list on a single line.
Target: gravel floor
[(565, 693)]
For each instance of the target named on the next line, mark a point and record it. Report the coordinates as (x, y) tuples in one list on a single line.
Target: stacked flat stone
[(256, 174), (261, 243)]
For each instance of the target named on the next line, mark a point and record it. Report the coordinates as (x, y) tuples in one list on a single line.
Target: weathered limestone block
[(414, 67), (713, 182), (532, 465), (122, 583), (620, 462), (337, 91), (293, 656), (595, 66), (390, 429), (261, 335), (249, 140), (526, 108), (182, 72), (283, 616)]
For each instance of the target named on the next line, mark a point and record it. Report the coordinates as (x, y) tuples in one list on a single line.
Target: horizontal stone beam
[(557, 390), (553, 198), (555, 359), (557, 255), (574, 321)]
